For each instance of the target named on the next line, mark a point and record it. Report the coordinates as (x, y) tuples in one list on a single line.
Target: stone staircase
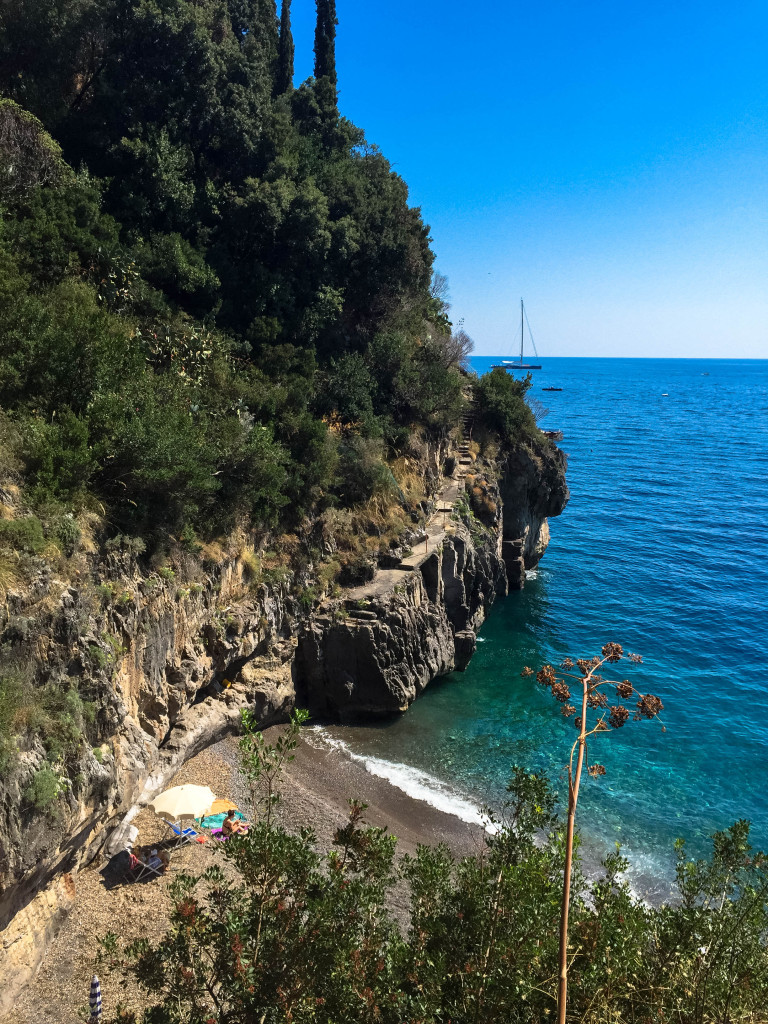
[(467, 424)]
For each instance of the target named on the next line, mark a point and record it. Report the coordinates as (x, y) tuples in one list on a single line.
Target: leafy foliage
[(58, 717), (502, 408), (221, 267), (302, 936)]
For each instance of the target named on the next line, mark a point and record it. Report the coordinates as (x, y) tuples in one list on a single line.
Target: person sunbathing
[(232, 826)]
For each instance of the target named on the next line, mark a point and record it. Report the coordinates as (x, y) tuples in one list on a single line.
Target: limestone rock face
[(352, 667), (533, 487), (168, 670), (167, 674)]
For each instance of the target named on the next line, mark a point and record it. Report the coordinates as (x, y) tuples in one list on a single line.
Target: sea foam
[(415, 783)]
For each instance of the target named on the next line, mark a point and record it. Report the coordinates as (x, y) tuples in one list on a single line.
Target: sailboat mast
[(522, 316)]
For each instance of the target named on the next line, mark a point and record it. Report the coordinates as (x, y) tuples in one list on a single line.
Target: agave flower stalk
[(609, 717)]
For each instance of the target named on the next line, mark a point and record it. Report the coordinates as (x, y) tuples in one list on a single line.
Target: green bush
[(134, 545), (68, 534), (189, 540), (60, 463), (15, 699), (45, 788), (98, 656), (500, 406), (62, 721), (307, 598), (362, 472), (22, 535), (315, 939), (54, 713)]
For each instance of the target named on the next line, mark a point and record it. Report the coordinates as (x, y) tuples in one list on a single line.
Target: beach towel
[(215, 821)]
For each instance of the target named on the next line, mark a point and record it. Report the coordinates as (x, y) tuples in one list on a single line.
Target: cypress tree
[(325, 42), (284, 82)]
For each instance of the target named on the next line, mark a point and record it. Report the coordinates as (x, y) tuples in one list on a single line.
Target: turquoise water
[(664, 548)]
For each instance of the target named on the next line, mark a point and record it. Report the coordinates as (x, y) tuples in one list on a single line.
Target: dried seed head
[(596, 699), (596, 769), (526, 672), (561, 692), (613, 652), (568, 663), (618, 716), (577, 722), (625, 689), (600, 726), (567, 710), (649, 706), (636, 658), (583, 665), (546, 676)]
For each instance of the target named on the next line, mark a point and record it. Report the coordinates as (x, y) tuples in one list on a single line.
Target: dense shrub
[(22, 535), (362, 473), (55, 714), (500, 406), (296, 935), (44, 789), (216, 269)]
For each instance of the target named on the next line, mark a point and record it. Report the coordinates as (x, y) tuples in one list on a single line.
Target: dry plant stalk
[(609, 717)]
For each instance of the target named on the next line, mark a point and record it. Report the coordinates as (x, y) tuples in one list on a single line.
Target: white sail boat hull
[(511, 364)]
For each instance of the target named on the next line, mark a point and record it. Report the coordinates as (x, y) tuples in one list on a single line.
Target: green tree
[(227, 265), (501, 407), (284, 79), (325, 53)]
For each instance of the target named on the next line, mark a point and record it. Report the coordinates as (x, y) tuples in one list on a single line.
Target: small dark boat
[(551, 389)]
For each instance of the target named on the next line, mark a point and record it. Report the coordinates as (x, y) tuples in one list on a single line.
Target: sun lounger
[(183, 835), (139, 868)]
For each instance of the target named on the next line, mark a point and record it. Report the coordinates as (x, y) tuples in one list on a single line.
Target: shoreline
[(323, 778)]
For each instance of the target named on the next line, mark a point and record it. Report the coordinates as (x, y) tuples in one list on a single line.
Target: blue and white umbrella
[(95, 999)]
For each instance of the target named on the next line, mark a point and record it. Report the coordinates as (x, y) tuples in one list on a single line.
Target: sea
[(663, 548)]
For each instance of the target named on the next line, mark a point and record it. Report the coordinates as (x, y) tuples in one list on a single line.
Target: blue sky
[(607, 161)]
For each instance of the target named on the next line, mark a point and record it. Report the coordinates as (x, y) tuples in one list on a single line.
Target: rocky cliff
[(377, 656), (533, 487), (166, 669)]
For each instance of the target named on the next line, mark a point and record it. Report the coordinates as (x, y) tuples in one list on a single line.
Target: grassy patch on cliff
[(55, 716)]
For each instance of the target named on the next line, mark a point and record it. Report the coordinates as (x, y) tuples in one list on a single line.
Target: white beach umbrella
[(183, 802)]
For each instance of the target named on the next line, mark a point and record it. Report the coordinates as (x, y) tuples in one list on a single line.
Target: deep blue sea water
[(664, 548)]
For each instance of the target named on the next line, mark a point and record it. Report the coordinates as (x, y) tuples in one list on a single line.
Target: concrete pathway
[(437, 527)]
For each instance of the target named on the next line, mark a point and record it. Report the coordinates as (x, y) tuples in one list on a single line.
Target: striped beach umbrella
[(94, 1000)]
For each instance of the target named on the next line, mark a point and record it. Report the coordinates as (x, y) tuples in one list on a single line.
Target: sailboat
[(514, 364)]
